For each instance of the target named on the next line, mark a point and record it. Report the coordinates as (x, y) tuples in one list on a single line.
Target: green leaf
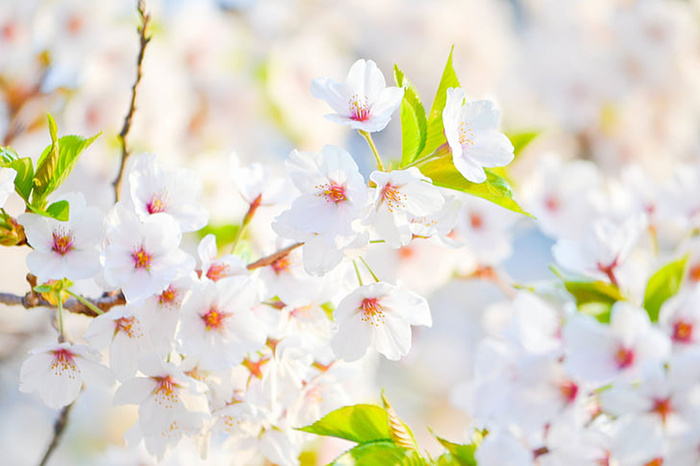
[(436, 130), (521, 140), (495, 189), (663, 285), (60, 210), (382, 452), (56, 163), (43, 288), (414, 126), (25, 176), (224, 234), (360, 423), (8, 155), (462, 455), (594, 297), (400, 432)]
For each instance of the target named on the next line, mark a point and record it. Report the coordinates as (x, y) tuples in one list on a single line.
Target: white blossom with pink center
[(151, 190), (213, 268), (218, 325), (401, 196), (122, 331), (57, 372), (378, 316), (329, 213), (601, 354), (363, 101), (170, 404), (471, 128), (65, 249), (142, 256)]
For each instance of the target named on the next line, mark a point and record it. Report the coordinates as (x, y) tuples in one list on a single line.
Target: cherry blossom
[(363, 101), (471, 128), (378, 316), (7, 184)]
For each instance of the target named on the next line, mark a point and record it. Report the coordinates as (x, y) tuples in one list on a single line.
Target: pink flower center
[(624, 357), (165, 394), (156, 204), (372, 312), (63, 361), (551, 203), (359, 108), (682, 331), (214, 319), (168, 296), (663, 408), (466, 135), (217, 271), (281, 265), (126, 325), (142, 259), (694, 273), (393, 197), (62, 242), (568, 390), (476, 220), (333, 192)]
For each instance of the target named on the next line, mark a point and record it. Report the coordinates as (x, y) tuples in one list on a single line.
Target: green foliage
[(224, 234), (594, 297), (463, 455), (53, 167), (495, 189), (360, 423), (383, 439), (414, 126), (56, 163), (663, 285), (436, 130), (521, 140)]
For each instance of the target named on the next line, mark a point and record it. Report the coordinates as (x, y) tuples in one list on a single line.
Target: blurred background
[(609, 84)]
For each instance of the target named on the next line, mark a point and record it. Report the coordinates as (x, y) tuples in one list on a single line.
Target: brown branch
[(267, 260), (145, 38), (59, 428), (31, 300)]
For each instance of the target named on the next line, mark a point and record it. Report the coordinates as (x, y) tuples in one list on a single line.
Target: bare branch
[(59, 428), (30, 300), (145, 38), (267, 260)]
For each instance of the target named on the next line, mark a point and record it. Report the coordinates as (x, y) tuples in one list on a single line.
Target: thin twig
[(267, 260), (30, 300), (145, 38), (59, 428)]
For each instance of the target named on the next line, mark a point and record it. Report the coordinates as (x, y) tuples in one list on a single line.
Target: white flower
[(152, 190), (400, 197), (601, 354), (328, 213), (65, 249), (57, 372), (170, 404), (378, 316), (218, 325), (142, 257), (471, 128), (122, 330), (7, 184), (363, 101), (215, 269)]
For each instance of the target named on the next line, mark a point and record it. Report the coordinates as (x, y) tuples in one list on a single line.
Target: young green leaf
[(25, 176), (462, 455), (521, 140), (7, 155), (360, 423), (414, 126), (382, 452), (663, 285), (45, 167), (495, 189), (60, 210), (436, 130), (400, 432)]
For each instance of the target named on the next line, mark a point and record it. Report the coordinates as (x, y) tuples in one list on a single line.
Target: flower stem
[(246, 221), (369, 269), (87, 303), (357, 271), (439, 152), (368, 138), (61, 335)]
